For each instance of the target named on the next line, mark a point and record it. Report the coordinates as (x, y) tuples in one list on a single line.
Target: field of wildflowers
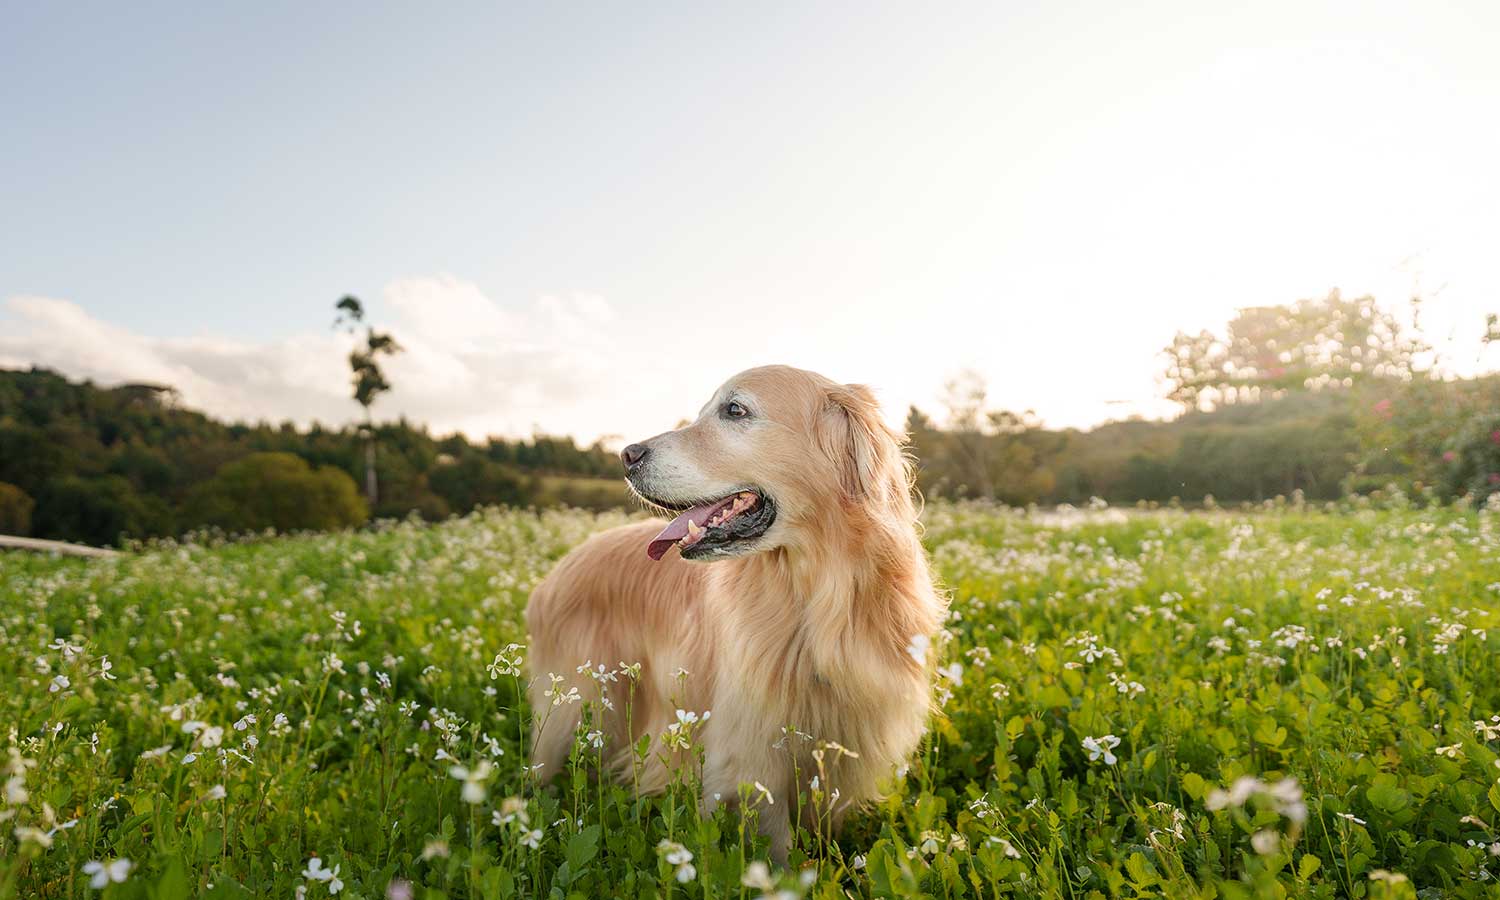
[(1285, 702)]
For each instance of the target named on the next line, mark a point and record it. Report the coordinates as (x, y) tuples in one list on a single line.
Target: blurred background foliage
[(1324, 397)]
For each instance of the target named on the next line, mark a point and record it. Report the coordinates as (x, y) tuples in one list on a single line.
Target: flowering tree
[(1267, 351)]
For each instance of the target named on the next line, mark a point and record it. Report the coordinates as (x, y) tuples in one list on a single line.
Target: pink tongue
[(677, 529)]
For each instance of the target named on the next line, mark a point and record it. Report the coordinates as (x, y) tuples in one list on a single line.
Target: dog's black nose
[(631, 456)]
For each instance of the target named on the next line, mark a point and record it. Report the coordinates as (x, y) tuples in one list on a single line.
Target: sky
[(582, 218)]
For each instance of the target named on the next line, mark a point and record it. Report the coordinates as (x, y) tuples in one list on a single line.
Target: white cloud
[(469, 363)]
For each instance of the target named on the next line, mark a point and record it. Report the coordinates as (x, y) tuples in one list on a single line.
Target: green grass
[(283, 699)]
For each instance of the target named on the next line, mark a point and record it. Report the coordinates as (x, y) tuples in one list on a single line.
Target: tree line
[(1320, 398), (86, 463), (1324, 397)]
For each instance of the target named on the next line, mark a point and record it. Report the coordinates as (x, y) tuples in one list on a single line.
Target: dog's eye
[(733, 410)]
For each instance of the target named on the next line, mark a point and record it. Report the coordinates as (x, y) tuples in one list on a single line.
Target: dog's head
[(775, 458)]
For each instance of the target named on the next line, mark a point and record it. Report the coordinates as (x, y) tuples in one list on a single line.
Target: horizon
[(584, 228)]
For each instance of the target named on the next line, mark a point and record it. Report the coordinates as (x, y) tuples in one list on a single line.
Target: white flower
[(531, 838), (511, 809), (766, 793), (918, 647), (15, 790), (35, 835), (216, 792), (316, 872), (102, 873), (758, 875), (1005, 846), (954, 673), (1265, 842), (1237, 795), (1101, 747), (398, 890), (674, 853), (473, 779), (60, 683), (686, 873), (1353, 818), (1287, 796), (691, 718)]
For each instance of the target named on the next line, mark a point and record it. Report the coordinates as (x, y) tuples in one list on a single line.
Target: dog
[(781, 618)]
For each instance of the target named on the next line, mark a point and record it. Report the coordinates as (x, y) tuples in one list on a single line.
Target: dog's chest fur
[(788, 667)]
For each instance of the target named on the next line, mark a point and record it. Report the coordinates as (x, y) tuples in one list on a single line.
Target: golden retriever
[(780, 620)]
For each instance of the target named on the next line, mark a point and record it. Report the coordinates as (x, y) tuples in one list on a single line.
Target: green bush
[(276, 490), (98, 510), (15, 510), (475, 481), (1473, 458)]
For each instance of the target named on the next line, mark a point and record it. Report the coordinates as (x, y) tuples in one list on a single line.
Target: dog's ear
[(863, 447)]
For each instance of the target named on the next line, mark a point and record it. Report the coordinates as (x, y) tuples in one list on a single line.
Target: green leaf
[(1142, 873), (497, 884), (173, 883), (1494, 796), (1388, 798), (582, 847), (1308, 865), (1193, 785)]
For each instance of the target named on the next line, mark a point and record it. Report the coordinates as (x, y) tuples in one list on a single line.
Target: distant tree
[(369, 380), (982, 452), (98, 510), (475, 481), (277, 490), (15, 510), (965, 396), (1267, 351), (1472, 458)]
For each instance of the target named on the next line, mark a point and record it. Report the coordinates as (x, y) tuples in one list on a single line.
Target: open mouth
[(713, 527)]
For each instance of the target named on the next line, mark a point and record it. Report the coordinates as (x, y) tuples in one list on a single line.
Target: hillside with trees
[(1324, 397), (86, 463)]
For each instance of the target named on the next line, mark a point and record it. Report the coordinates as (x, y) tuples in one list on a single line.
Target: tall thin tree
[(368, 379)]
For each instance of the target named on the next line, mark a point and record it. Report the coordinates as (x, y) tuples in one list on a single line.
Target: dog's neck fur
[(850, 594)]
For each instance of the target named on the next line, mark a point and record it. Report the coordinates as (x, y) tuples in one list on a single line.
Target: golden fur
[(810, 629)]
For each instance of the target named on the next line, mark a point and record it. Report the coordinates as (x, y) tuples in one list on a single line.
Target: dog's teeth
[(693, 529)]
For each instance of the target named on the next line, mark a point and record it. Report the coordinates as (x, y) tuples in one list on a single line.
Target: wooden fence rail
[(8, 542)]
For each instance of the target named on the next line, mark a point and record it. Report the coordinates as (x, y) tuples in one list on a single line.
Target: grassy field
[(1284, 703)]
